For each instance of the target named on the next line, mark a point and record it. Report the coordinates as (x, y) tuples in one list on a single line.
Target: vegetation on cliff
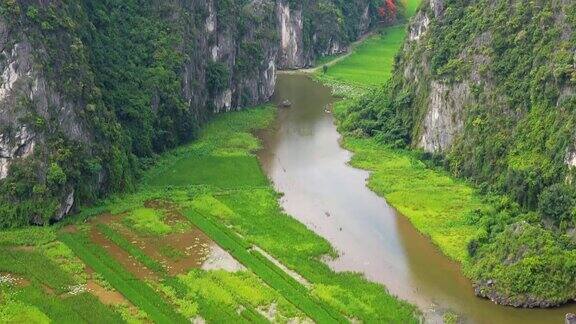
[(514, 144), (127, 80)]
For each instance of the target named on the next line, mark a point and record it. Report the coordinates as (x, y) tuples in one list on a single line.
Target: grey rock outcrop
[(24, 90), (291, 54), (419, 26), (17, 146), (219, 42), (443, 120), (420, 22), (304, 37)]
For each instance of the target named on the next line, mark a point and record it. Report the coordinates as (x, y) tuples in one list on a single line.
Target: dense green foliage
[(527, 261), (514, 143), (555, 204), (133, 51)]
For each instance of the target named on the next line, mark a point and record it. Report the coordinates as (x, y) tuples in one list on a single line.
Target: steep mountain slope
[(92, 90), (486, 89)]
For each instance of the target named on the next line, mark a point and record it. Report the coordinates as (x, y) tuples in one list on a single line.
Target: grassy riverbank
[(438, 205), (108, 259)]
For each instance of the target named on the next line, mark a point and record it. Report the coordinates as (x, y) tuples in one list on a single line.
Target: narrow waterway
[(303, 158)]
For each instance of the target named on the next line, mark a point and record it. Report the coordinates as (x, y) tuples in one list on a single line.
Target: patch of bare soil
[(107, 297), (70, 229), (121, 256), (13, 280)]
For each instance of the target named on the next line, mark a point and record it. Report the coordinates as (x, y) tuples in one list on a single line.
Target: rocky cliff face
[(445, 99), (489, 88), (29, 107), (292, 53), (222, 41), (90, 89), (446, 92), (312, 29)]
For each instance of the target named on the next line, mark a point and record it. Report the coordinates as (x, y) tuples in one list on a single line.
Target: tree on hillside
[(388, 11), (556, 203)]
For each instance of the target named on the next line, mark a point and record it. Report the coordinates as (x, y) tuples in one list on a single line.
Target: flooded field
[(178, 252)]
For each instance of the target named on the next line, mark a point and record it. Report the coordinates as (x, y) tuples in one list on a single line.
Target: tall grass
[(221, 157), (370, 62)]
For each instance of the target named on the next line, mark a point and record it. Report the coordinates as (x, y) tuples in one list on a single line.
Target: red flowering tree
[(387, 11)]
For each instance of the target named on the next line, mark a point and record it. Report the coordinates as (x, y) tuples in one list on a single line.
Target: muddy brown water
[(302, 156)]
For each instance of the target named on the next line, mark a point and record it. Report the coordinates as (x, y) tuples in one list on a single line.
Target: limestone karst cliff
[(91, 90), (487, 91)]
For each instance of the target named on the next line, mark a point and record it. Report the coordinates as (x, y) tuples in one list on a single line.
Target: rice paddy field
[(188, 246)]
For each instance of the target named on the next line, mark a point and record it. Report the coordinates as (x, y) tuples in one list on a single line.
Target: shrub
[(556, 203), (217, 76)]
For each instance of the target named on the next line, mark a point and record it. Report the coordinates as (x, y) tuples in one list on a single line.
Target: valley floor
[(203, 239)]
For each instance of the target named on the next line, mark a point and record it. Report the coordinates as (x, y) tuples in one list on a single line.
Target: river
[(302, 156)]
